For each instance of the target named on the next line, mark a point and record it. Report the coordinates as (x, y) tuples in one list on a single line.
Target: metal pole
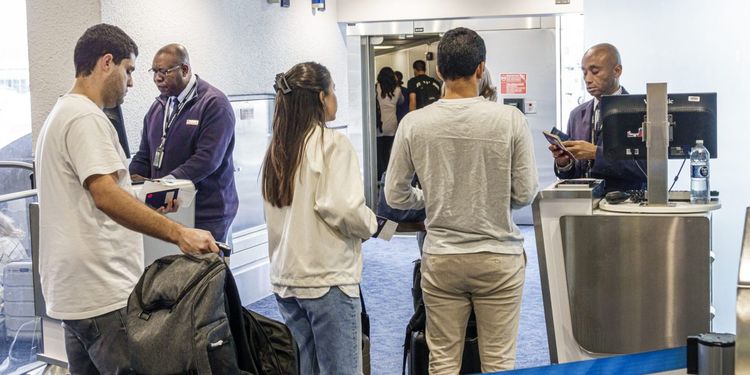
[(369, 150), (657, 142)]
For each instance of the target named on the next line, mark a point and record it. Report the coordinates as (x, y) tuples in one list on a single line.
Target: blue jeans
[(328, 331), (98, 345)]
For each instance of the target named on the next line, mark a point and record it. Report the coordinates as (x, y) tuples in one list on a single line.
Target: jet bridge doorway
[(524, 48)]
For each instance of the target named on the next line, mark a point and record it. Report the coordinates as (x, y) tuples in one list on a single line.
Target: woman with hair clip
[(316, 219), (388, 98)]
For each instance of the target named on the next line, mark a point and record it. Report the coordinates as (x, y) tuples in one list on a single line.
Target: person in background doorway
[(389, 98), (475, 163), (90, 254), (423, 89), (486, 89), (317, 219), (601, 66), (188, 133), (403, 108)]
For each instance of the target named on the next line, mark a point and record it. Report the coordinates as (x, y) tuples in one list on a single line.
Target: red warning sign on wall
[(513, 83)]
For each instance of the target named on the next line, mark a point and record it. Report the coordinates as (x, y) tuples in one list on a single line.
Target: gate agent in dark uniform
[(188, 133)]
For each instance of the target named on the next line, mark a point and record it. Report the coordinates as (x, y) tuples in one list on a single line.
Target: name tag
[(192, 122)]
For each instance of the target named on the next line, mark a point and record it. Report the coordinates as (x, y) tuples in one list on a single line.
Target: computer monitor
[(692, 117), (115, 117)]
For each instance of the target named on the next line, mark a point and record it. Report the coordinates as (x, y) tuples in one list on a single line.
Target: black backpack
[(185, 316), (416, 352), (427, 90)]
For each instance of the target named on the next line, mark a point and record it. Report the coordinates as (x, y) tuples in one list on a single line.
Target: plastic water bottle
[(699, 173)]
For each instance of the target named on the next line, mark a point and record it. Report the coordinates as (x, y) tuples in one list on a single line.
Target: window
[(19, 327), (252, 134), (571, 80), (15, 107)]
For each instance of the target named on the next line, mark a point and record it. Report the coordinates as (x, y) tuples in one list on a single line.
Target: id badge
[(158, 156)]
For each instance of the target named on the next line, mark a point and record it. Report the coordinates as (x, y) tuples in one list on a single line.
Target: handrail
[(17, 195), (17, 164)]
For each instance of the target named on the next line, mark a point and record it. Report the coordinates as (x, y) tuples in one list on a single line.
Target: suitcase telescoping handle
[(224, 249)]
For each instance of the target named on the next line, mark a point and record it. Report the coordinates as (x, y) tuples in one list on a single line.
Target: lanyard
[(594, 136), (173, 116), (167, 123)]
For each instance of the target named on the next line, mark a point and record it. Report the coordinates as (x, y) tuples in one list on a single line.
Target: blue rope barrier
[(629, 364)]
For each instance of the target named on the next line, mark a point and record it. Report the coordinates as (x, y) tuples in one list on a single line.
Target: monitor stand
[(657, 143)]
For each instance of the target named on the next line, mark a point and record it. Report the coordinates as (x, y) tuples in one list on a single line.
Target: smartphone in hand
[(160, 199), (554, 139), (563, 136), (386, 229)]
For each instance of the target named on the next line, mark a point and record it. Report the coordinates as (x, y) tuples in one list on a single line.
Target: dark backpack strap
[(234, 309), (407, 342), (378, 116), (364, 316), (419, 319)]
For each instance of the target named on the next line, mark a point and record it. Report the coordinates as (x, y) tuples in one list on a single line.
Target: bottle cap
[(698, 141)]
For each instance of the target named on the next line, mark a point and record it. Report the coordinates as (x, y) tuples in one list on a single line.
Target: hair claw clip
[(282, 84)]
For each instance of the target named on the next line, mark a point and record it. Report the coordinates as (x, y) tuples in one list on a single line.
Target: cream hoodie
[(316, 242)]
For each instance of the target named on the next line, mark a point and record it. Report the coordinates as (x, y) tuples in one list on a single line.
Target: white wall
[(52, 34), (694, 46), (236, 45), (352, 11)]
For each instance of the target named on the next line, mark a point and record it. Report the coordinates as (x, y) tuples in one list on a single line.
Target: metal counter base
[(619, 283)]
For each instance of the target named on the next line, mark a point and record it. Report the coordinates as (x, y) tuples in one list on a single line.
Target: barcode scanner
[(616, 197)]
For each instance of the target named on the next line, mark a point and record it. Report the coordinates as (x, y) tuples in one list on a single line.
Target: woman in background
[(389, 97), (316, 219), (485, 87)]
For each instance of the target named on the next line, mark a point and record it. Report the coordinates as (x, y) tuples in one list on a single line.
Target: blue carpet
[(386, 285)]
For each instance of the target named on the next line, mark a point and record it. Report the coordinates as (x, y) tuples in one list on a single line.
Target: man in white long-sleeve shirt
[(475, 163)]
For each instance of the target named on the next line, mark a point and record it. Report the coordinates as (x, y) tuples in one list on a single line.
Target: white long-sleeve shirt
[(316, 241), (475, 161), (388, 110)]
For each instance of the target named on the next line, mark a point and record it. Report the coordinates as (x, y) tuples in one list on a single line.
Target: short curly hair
[(460, 52), (99, 40)]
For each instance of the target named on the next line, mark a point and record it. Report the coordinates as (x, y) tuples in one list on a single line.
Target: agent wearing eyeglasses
[(188, 133)]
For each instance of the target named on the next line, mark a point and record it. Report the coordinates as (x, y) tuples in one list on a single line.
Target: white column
[(53, 29)]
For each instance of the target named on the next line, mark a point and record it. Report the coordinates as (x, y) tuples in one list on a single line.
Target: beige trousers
[(492, 284)]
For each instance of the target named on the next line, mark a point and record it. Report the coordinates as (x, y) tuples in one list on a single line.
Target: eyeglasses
[(164, 72)]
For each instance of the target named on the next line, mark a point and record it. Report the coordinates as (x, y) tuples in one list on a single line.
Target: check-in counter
[(155, 248), (619, 279)]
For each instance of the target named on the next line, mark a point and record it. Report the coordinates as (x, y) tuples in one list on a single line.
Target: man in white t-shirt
[(475, 163), (91, 255)]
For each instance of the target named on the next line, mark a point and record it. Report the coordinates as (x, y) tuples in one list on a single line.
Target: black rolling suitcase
[(418, 359), (416, 352)]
